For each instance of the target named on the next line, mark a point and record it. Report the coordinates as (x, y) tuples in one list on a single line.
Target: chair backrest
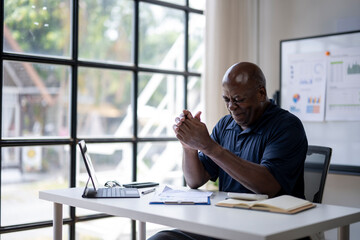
[(315, 171)]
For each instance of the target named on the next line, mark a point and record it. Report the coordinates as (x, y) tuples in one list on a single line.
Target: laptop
[(99, 192)]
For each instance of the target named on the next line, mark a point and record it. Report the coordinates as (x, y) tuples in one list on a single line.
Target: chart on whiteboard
[(306, 76), (323, 85), (343, 86)]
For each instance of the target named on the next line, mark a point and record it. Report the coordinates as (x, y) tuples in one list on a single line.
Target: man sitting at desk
[(257, 148)]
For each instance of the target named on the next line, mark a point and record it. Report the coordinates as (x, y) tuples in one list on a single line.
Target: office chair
[(316, 167)]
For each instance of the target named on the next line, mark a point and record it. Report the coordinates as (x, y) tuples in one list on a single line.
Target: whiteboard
[(320, 83)]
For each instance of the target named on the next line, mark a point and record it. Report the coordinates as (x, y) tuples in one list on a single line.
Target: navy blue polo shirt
[(277, 141)]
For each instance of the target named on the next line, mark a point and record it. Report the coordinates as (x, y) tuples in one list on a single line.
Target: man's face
[(243, 99)]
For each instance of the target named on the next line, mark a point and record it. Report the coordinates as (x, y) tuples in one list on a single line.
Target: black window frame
[(75, 63)]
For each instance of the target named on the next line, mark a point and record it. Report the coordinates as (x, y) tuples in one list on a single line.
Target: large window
[(115, 73)]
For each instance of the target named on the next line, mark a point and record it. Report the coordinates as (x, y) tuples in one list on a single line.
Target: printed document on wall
[(343, 87), (305, 94)]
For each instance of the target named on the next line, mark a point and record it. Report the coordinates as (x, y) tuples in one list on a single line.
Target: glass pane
[(160, 100), (199, 4), (106, 30), (41, 233), (161, 37), (160, 162), (111, 161), (104, 229), (40, 27), (195, 98), (35, 100), (196, 42), (24, 172), (104, 103)]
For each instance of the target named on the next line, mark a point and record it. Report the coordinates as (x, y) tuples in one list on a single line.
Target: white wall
[(286, 19), (230, 37)]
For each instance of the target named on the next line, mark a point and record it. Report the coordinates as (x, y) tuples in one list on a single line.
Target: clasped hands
[(191, 132)]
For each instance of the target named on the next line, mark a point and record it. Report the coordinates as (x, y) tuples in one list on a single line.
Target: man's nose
[(232, 105)]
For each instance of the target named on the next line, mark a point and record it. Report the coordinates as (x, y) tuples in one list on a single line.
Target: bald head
[(245, 73), (244, 93)]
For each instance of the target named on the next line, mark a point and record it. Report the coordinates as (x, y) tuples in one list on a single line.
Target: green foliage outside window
[(39, 26)]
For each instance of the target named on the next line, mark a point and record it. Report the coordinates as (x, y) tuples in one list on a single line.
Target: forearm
[(253, 176), (194, 172)]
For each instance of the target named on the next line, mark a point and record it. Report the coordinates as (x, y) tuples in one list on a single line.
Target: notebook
[(96, 191)]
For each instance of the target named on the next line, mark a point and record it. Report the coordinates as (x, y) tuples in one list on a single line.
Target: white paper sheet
[(179, 196)]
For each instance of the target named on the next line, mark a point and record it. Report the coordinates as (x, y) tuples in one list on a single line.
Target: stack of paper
[(176, 196)]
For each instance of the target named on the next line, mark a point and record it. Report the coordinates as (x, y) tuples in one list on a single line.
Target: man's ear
[(262, 94)]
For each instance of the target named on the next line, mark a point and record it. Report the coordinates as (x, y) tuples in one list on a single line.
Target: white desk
[(210, 220)]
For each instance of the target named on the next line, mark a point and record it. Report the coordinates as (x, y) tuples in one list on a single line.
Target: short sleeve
[(285, 153), (209, 165)]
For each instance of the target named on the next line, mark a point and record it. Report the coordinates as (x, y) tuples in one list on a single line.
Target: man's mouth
[(237, 114)]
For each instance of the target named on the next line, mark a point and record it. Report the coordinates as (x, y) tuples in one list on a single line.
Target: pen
[(148, 191)]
